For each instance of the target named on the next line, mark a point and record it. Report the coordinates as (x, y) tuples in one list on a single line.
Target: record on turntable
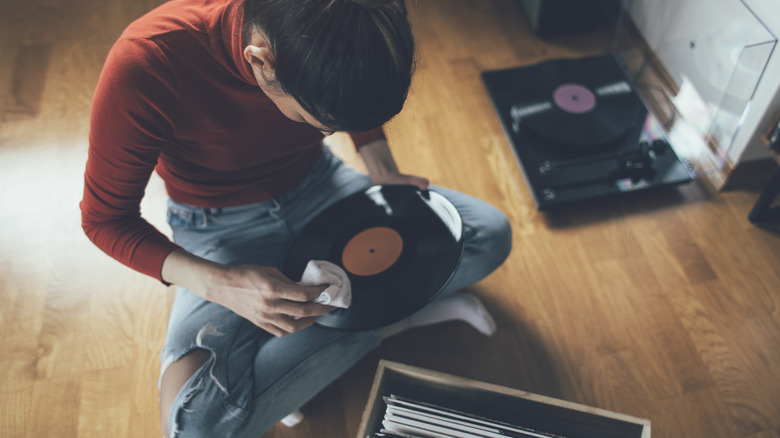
[(572, 106), (580, 131), (399, 246), (583, 117)]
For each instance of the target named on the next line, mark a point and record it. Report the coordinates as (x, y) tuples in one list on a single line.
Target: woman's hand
[(267, 298), (383, 169), (262, 295)]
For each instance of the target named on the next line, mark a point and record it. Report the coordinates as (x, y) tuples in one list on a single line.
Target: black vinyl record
[(571, 106), (583, 117), (398, 245)]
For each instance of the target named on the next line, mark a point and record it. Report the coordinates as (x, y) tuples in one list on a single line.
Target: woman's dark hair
[(348, 63)]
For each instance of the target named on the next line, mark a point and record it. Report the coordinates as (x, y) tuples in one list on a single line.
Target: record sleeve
[(418, 418)]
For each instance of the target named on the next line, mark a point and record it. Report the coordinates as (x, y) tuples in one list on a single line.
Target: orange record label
[(372, 251)]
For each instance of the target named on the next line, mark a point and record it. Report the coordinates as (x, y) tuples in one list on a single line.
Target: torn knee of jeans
[(174, 430), (171, 356), (207, 330), (174, 425), (211, 330), (191, 393)]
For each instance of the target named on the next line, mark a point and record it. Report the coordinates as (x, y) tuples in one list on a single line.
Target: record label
[(372, 251), (574, 98)]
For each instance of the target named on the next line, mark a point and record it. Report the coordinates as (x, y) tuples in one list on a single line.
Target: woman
[(245, 169)]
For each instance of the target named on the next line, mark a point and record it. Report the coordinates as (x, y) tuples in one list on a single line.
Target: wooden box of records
[(410, 402)]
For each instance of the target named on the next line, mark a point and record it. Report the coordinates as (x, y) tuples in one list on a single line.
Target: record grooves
[(580, 131), (398, 245)]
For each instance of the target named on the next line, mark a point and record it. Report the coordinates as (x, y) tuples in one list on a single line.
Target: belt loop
[(209, 214), (276, 206), (200, 218)]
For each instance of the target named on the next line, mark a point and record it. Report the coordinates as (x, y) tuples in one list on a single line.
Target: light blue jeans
[(254, 379)]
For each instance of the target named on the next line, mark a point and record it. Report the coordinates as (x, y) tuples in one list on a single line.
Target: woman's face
[(258, 54), (292, 109)]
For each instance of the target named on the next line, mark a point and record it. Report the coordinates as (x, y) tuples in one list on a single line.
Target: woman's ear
[(259, 55)]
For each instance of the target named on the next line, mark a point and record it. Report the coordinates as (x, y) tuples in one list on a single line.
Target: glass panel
[(696, 72)]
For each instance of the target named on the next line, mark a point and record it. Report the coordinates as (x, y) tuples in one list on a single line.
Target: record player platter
[(580, 131)]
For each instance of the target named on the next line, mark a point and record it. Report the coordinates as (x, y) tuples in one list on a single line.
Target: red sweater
[(176, 95)]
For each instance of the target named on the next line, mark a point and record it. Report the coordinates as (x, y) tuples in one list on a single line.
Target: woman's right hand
[(261, 294)]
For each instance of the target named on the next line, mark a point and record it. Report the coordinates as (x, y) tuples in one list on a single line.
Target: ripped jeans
[(254, 379)]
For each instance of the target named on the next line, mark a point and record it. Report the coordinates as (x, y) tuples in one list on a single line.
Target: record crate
[(544, 416)]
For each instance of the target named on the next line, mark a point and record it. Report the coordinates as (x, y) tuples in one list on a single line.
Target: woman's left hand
[(382, 168)]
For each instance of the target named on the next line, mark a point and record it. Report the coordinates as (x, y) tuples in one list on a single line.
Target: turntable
[(646, 115)]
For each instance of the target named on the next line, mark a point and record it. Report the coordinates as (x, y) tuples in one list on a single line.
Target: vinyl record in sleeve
[(398, 245)]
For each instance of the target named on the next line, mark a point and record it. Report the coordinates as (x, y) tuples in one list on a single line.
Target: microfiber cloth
[(339, 291)]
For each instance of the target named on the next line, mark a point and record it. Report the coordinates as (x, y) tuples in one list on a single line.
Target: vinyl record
[(567, 106), (583, 117), (398, 245)]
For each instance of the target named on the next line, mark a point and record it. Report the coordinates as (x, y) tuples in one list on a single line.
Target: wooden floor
[(663, 306)]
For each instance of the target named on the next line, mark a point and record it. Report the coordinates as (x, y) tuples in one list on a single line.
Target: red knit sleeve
[(128, 127), (361, 139)]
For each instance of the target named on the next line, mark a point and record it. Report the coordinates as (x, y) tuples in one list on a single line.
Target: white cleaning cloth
[(339, 291)]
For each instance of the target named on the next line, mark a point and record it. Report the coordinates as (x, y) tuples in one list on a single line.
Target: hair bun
[(348, 63)]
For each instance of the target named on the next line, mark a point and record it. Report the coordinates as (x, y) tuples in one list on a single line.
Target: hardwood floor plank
[(15, 407), (757, 342), (144, 410), (766, 434), (606, 379), (104, 408), (30, 71), (55, 408), (696, 414), (727, 368)]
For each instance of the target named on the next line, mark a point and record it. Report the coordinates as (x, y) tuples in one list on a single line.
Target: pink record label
[(574, 98)]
